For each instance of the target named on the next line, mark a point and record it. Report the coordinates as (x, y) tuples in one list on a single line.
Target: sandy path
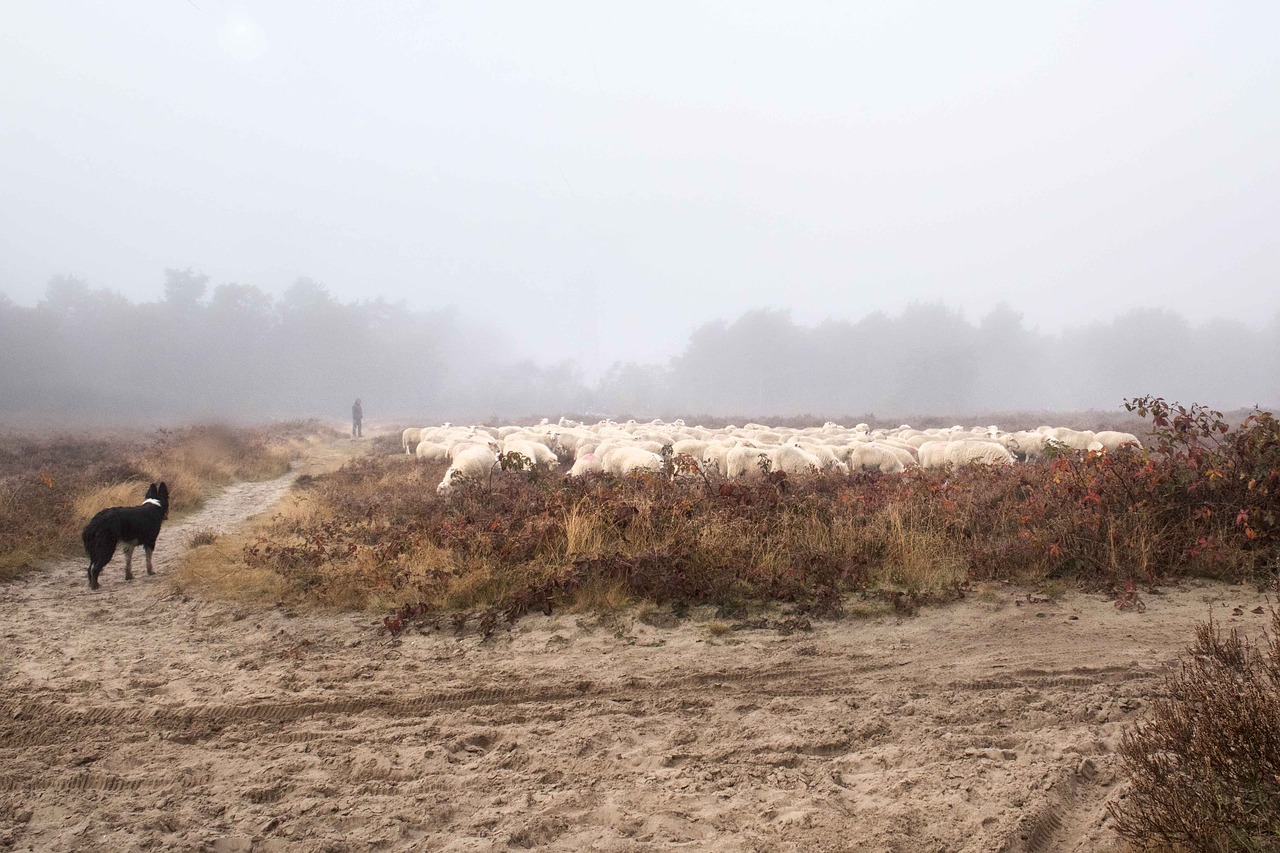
[(134, 718)]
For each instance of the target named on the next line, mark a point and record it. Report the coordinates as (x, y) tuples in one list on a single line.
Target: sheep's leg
[(149, 549), (128, 561)]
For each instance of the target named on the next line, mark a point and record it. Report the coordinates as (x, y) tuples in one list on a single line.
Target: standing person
[(357, 415)]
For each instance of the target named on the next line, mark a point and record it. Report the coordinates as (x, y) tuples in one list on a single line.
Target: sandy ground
[(136, 718)]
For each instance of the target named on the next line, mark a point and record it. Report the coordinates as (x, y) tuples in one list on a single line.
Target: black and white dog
[(130, 525)]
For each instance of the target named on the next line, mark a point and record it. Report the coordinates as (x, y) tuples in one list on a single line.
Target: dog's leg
[(148, 549), (93, 576), (128, 561)]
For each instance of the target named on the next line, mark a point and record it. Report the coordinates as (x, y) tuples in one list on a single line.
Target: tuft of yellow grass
[(920, 557), (991, 592), (88, 504), (478, 588), (219, 568), (585, 532), (601, 595), (1053, 589), (14, 562)]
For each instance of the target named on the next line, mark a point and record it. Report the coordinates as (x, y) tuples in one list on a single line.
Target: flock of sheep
[(738, 452)]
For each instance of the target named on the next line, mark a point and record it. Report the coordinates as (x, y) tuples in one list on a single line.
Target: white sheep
[(1025, 445), (870, 456), (963, 452), (431, 451), (568, 441), (933, 454), (795, 460), (744, 460), (905, 452), (586, 463), (1073, 439), (590, 458), (623, 460), (689, 447), (1113, 440), (920, 439), (457, 445), (713, 456), (474, 462), (828, 458), (536, 452), (409, 439)]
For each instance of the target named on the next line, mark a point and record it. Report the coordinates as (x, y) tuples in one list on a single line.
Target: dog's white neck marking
[(152, 501)]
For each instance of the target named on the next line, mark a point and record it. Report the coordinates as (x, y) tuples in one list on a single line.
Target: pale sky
[(599, 178)]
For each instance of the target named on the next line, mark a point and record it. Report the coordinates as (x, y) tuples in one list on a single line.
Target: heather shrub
[(1204, 765), (1200, 499)]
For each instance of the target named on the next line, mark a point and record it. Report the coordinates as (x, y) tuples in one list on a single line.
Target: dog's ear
[(164, 491), (151, 492)]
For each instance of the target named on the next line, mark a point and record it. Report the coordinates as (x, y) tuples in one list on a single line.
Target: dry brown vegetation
[(1205, 762), (1203, 501), (50, 485)]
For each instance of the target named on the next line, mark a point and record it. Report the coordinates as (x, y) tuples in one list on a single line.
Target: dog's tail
[(100, 542)]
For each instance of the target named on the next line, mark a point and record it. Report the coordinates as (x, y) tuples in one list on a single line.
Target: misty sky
[(600, 178)]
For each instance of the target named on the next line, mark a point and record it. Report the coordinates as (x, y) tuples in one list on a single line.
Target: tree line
[(233, 351)]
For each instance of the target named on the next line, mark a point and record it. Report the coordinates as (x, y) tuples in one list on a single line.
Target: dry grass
[(717, 628), (195, 463), (86, 505), (203, 536), (586, 533), (601, 595), (485, 585), (219, 568), (994, 593), (51, 485), (1053, 589), (920, 556)]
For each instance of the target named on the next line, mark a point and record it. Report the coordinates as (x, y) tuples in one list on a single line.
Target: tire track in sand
[(1051, 825), (33, 722)]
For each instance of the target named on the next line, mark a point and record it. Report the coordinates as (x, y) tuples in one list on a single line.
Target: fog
[(460, 210), (231, 352)]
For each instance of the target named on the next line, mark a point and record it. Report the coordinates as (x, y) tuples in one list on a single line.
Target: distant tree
[(72, 298), (305, 295), (638, 390), (1012, 366), (933, 360), (1145, 351), (183, 289), (751, 365), (66, 294), (240, 303), (240, 352)]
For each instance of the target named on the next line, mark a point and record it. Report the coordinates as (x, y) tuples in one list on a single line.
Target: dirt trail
[(136, 718)]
